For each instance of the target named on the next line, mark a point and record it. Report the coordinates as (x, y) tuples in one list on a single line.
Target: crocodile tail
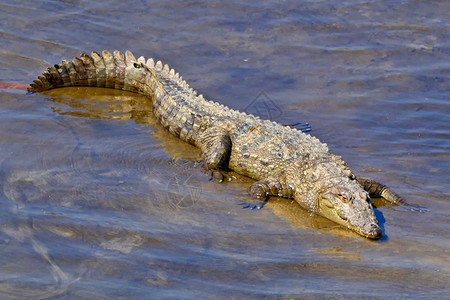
[(97, 70)]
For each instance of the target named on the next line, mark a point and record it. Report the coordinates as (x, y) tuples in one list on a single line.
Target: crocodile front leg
[(215, 144), (262, 189)]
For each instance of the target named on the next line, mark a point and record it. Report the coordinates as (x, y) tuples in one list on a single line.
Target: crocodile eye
[(137, 66), (344, 198)]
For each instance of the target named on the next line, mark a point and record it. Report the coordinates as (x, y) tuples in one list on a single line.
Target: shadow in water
[(110, 104), (381, 221), (122, 106)]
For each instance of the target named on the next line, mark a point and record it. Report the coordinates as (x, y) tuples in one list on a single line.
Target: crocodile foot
[(216, 176), (254, 204)]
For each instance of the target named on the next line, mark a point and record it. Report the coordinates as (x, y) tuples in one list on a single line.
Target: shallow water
[(100, 202)]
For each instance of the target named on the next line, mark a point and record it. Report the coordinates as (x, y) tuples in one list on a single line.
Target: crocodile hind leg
[(379, 190), (215, 144)]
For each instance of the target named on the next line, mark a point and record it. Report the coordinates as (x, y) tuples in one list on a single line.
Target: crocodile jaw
[(357, 214)]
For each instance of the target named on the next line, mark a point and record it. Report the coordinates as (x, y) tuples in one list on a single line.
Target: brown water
[(99, 202)]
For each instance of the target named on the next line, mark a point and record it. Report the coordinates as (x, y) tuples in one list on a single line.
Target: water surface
[(99, 202)]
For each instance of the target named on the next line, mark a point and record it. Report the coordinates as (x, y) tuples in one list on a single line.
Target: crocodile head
[(349, 205), (330, 190)]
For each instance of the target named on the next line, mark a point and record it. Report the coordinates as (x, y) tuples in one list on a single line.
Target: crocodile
[(283, 160)]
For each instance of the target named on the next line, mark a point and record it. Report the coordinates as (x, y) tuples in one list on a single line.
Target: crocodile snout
[(373, 231)]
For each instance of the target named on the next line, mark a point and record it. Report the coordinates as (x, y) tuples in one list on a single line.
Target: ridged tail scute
[(129, 68), (63, 74), (89, 68), (81, 76), (99, 70), (119, 62), (110, 69), (175, 104)]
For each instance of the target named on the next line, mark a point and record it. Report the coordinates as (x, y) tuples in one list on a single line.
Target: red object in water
[(13, 85)]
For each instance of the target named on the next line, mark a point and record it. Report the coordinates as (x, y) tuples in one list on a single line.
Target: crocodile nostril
[(375, 231)]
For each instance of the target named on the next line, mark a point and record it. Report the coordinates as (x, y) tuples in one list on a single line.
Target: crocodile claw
[(217, 176), (304, 127), (252, 206)]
